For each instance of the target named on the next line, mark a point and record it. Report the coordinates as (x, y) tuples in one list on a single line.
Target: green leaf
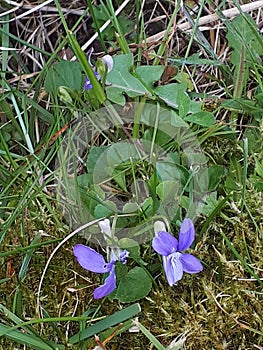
[(167, 191), (148, 75), (41, 112), (257, 183), (150, 336), (195, 60), (259, 167), (64, 73), (129, 208), (259, 98), (28, 339), (132, 246), (122, 82), (169, 121), (89, 200), (215, 174), (242, 36), (167, 170), (121, 270), (120, 153), (234, 178), (201, 118), (135, 285), (18, 302), (195, 106), (82, 58), (3, 280), (27, 258), (104, 210), (110, 321), (182, 77), (84, 181), (255, 140), (211, 202), (243, 105), (147, 207), (174, 95), (94, 154), (120, 178), (15, 319), (102, 16)]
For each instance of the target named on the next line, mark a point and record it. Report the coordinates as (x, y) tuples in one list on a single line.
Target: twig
[(32, 9), (211, 18), (55, 10)]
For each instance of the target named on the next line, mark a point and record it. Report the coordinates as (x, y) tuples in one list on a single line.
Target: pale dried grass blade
[(211, 18), (32, 9)]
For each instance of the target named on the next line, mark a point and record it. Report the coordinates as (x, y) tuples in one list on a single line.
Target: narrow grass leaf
[(14, 318), (244, 177), (239, 257), (201, 118), (110, 321), (213, 214), (28, 339), (18, 302), (27, 258), (194, 60), (98, 91), (150, 336)]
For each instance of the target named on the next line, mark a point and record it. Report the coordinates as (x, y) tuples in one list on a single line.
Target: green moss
[(220, 308)]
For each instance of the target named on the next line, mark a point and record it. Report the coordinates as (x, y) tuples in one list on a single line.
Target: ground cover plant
[(131, 175)]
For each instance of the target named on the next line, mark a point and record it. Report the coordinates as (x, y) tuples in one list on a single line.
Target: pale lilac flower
[(107, 59), (92, 261), (174, 261), (87, 84)]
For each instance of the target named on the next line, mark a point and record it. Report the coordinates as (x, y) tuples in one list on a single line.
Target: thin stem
[(137, 118)]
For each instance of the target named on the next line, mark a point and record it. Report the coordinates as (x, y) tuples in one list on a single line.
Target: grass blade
[(110, 321)]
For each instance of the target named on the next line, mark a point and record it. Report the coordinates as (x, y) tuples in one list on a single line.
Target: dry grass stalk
[(211, 18)]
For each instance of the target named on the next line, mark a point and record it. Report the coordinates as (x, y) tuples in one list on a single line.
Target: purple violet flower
[(92, 261), (87, 84), (107, 59), (174, 261)]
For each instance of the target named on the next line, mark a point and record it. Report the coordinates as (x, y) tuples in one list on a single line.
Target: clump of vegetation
[(131, 176)]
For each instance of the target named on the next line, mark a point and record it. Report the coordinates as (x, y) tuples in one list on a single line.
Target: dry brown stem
[(211, 18)]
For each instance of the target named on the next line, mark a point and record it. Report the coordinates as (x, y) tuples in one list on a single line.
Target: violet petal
[(173, 268), (190, 263), (186, 235), (117, 254), (90, 260), (108, 286), (87, 84), (164, 243), (123, 256)]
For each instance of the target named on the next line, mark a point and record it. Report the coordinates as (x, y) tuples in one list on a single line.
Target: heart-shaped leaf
[(64, 73), (201, 118), (122, 82), (135, 285)]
